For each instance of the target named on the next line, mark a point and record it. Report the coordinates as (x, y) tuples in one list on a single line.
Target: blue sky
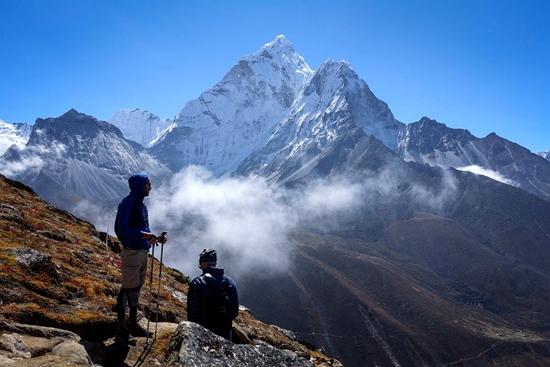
[(475, 64)]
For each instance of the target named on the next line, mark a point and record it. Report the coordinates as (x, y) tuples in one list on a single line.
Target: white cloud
[(247, 219), (250, 221), (487, 173), (31, 160)]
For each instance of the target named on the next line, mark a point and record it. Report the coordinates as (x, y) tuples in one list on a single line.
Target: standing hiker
[(132, 229), (212, 300)]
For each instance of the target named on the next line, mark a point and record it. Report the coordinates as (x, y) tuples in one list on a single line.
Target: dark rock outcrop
[(193, 345)]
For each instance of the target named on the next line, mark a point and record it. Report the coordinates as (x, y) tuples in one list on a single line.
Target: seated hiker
[(132, 229), (212, 300)]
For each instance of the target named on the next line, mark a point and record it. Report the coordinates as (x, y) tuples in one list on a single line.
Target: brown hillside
[(56, 271), (426, 294)]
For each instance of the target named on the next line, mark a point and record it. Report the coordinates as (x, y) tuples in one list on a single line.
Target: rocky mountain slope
[(59, 281), (140, 126), (428, 141), (437, 267), (75, 158), (545, 155)]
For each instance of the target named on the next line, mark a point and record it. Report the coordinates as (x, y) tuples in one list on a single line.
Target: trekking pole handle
[(162, 238)]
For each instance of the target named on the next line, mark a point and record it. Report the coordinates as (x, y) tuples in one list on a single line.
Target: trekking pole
[(158, 289), (147, 348), (150, 292)]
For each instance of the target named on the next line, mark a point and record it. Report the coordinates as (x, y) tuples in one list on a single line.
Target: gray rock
[(10, 213), (30, 258), (194, 346), (36, 262), (73, 352), (38, 331), (15, 345)]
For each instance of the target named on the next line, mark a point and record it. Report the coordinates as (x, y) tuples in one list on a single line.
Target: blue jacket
[(201, 299), (132, 217)]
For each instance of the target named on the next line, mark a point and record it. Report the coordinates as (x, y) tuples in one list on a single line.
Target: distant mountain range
[(447, 259), (76, 157), (433, 143)]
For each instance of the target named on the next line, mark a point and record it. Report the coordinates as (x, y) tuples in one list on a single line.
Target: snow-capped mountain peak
[(333, 102), (430, 142), (236, 116), (139, 125), (272, 101), (282, 53)]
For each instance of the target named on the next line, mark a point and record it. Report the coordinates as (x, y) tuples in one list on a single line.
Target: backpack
[(218, 304)]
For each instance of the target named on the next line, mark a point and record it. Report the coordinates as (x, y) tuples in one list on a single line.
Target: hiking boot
[(123, 337), (138, 331), (134, 328)]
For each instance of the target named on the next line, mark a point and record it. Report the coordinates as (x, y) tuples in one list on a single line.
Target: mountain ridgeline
[(433, 266), (76, 158)]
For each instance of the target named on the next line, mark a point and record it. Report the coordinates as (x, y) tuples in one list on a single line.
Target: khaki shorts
[(134, 267)]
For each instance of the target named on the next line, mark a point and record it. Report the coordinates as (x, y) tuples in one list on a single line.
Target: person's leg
[(133, 326), (122, 334), (133, 299), (130, 264)]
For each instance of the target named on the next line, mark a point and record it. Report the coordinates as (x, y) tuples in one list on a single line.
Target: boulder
[(73, 352), (193, 345), (25, 345)]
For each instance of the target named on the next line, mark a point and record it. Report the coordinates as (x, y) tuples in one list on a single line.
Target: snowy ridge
[(545, 155), (430, 142), (334, 102), (139, 125), (11, 134), (163, 133)]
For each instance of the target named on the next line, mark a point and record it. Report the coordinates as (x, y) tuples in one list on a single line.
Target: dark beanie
[(208, 255)]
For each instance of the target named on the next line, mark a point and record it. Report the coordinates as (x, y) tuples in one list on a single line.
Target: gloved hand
[(150, 237)]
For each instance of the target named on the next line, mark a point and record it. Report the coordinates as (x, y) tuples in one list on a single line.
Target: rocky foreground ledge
[(183, 345), (58, 284)]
